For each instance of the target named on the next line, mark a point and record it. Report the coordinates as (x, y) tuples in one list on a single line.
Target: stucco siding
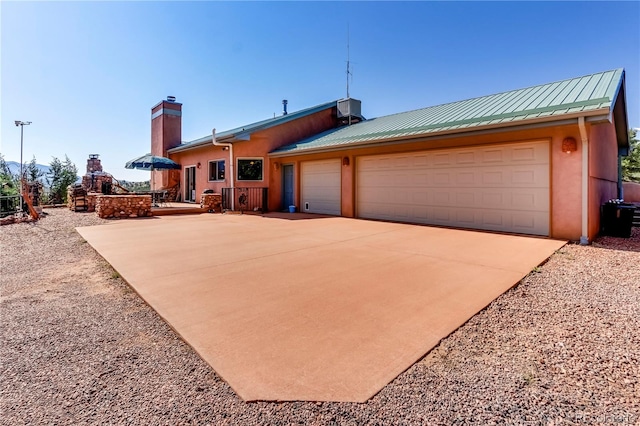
[(203, 156), (603, 152), (631, 192), (566, 186), (603, 171), (259, 145), (565, 170)]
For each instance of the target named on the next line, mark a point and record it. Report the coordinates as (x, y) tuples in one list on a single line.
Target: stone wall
[(211, 202), (88, 200), (92, 199), (123, 206)]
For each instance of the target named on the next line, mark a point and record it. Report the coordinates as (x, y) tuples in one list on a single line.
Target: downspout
[(620, 187), (230, 146), (584, 238)]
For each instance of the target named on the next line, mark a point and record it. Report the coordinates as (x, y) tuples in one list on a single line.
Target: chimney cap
[(171, 98)]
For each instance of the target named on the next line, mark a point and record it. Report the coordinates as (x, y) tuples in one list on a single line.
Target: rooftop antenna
[(348, 62), (348, 75)]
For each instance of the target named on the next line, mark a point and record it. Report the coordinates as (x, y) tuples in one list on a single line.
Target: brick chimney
[(166, 126), (166, 133), (93, 164)]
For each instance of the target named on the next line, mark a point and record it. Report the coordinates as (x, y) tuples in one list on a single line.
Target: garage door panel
[(321, 186), (524, 154), (420, 178), (536, 200), (501, 187), (492, 156), (465, 198)]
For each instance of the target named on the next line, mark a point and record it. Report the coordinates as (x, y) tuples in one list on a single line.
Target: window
[(216, 170), (249, 168)]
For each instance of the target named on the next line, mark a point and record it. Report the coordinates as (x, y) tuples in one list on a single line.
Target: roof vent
[(284, 106), (171, 98)]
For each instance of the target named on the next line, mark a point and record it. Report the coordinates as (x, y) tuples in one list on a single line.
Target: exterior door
[(320, 186), (287, 186), (190, 184), (498, 187)]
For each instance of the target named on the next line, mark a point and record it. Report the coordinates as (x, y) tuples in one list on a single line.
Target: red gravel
[(79, 347)]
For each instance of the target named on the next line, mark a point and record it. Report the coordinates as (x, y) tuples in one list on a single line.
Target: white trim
[(209, 170), (166, 111), (195, 168), (238, 169)]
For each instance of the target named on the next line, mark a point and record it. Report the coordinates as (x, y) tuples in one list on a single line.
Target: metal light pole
[(21, 124)]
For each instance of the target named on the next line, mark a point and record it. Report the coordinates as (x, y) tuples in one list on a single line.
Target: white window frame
[(209, 170), (238, 169)]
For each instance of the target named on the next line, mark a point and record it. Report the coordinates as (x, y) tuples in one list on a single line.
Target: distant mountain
[(14, 167)]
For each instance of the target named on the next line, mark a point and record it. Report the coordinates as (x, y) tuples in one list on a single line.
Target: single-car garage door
[(497, 187), (320, 186)]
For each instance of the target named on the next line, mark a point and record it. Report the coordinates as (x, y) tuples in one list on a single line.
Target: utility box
[(617, 218)]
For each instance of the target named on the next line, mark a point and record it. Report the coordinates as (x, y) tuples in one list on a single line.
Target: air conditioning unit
[(350, 108)]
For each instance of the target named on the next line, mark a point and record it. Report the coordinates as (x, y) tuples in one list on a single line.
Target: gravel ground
[(79, 347)]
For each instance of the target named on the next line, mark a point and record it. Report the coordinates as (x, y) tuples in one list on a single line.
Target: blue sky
[(87, 73)]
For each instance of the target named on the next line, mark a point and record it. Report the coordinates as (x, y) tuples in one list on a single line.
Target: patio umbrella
[(151, 163)]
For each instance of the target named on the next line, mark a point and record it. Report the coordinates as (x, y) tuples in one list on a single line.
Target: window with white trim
[(216, 170), (250, 169)]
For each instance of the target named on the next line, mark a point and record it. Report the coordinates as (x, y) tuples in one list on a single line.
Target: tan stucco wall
[(203, 156), (565, 170), (566, 185), (631, 192), (603, 171), (260, 144)]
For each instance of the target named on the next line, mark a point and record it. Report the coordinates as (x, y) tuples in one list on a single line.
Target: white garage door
[(498, 187), (320, 186)]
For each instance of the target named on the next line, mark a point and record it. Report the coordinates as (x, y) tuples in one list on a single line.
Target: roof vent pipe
[(284, 106)]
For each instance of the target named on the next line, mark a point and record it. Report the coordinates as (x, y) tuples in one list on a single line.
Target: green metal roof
[(585, 96), (244, 132)]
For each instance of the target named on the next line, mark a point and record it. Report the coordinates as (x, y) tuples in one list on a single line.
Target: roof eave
[(200, 144), (620, 118)]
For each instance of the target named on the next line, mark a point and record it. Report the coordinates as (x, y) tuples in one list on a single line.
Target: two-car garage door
[(500, 188)]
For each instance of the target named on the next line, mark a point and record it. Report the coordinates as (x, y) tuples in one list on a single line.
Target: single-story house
[(241, 152), (537, 161)]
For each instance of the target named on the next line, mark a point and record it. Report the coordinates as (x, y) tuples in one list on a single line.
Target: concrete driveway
[(303, 307)]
